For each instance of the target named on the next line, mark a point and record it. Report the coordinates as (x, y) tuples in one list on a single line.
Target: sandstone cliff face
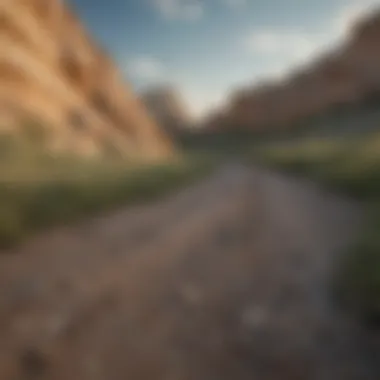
[(168, 108), (342, 78), (51, 70)]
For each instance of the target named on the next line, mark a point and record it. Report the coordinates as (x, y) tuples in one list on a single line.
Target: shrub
[(358, 278)]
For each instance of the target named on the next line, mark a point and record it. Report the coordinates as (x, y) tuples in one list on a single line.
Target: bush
[(12, 228), (358, 278)]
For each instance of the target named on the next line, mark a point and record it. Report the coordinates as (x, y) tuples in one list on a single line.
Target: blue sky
[(208, 47)]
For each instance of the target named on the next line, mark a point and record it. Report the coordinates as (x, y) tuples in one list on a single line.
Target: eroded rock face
[(345, 77), (51, 70)]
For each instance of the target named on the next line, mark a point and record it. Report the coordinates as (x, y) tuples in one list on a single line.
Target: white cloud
[(190, 10), (285, 50), (273, 42), (146, 68), (288, 46)]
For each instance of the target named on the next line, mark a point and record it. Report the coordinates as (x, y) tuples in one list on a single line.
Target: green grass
[(38, 191), (349, 166)]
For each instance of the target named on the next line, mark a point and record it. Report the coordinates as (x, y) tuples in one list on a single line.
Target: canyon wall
[(52, 71)]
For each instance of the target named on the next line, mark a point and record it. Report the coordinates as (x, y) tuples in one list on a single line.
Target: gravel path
[(228, 279)]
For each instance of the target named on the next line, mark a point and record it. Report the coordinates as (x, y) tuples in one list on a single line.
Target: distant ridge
[(168, 108), (346, 77)]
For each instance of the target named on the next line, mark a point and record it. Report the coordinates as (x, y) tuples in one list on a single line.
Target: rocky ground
[(229, 279)]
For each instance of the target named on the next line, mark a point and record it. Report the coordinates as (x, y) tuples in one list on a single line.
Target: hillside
[(53, 72), (345, 78)]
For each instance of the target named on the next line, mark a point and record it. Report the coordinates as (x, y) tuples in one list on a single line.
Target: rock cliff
[(51, 70)]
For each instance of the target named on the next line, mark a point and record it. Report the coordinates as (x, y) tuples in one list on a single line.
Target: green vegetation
[(38, 190), (357, 284), (352, 166)]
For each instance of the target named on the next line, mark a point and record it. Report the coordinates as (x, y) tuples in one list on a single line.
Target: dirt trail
[(226, 280)]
